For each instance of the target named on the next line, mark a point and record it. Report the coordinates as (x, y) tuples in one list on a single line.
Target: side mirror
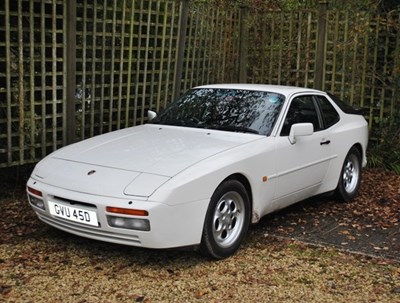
[(151, 115), (300, 129)]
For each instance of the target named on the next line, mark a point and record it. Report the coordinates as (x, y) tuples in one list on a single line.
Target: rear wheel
[(350, 177), (227, 220)]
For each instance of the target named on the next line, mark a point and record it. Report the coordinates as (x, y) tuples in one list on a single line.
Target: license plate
[(73, 213)]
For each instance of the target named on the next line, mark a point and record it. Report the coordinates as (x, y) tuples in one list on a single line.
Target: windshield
[(224, 109)]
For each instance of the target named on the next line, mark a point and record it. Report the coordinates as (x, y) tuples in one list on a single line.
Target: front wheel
[(350, 177), (227, 220)]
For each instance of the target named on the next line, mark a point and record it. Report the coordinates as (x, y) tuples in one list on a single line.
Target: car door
[(301, 166)]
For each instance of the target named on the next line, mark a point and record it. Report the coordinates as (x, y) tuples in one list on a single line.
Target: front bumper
[(170, 225)]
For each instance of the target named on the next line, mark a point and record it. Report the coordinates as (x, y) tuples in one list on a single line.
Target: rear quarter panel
[(351, 130)]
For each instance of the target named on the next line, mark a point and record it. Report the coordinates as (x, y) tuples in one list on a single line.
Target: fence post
[(181, 48), (71, 71), (321, 42), (243, 45)]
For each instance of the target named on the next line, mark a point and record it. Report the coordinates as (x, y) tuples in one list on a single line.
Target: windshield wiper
[(234, 128)]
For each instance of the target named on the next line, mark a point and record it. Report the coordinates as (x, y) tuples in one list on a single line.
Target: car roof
[(280, 89)]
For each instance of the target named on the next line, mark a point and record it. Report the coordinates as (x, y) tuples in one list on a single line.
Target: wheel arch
[(347, 175), (210, 246), (242, 179), (359, 147)]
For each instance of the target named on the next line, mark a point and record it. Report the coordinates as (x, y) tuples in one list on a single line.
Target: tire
[(227, 220), (350, 176)]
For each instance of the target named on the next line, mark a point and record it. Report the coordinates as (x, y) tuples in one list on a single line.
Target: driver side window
[(301, 110)]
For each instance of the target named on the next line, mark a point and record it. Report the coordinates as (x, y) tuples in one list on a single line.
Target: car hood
[(135, 160), (160, 150)]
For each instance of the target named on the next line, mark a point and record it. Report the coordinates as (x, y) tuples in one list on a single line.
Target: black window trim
[(317, 108), (322, 112), (345, 107)]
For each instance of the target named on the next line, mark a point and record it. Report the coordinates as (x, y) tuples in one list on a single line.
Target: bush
[(384, 150)]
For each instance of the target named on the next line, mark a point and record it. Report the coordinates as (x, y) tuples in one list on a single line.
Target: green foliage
[(384, 150), (356, 5)]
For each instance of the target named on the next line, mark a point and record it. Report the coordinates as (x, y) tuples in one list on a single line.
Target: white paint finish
[(160, 150), (75, 176), (301, 165), (145, 185), (172, 172)]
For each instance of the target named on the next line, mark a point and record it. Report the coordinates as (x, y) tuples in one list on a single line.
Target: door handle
[(326, 142)]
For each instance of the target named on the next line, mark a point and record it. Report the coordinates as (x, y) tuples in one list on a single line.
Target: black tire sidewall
[(340, 190), (209, 246)]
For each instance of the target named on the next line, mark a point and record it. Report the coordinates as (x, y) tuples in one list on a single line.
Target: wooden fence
[(70, 70), (356, 56)]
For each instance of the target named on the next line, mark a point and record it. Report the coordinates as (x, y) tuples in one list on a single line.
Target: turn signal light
[(127, 211), (34, 191), (33, 195)]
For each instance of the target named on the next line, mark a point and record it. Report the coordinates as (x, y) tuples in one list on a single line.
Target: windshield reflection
[(224, 109)]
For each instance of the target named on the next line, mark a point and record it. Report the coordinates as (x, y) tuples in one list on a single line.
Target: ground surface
[(319, 250)]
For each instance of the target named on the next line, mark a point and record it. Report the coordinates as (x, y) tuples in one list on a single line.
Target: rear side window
[(329, 113), (348, 109)]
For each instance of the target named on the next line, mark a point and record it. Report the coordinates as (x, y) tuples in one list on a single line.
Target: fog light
[(36, 202), (129, 223)]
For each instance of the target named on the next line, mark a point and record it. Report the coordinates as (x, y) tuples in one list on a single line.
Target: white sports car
[(214, 161)]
